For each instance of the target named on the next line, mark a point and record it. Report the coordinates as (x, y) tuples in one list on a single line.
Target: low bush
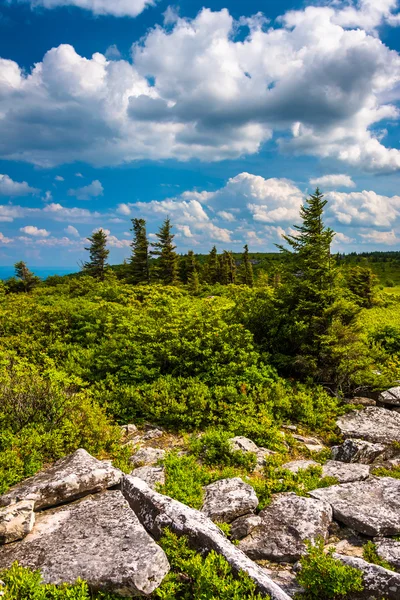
[(371, 555), (214, 449)]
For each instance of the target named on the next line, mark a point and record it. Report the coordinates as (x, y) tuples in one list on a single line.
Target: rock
[(360, 401), (243, 526), (99, 540), (389, 550), (157, 512), (147, 457), (357, 451), (390, 397), (371, 507), (378, 582), (312, 444), (345, 472), (296, 465), (243, 444), (128, 430), (16, 521), (151, 475), (349, 549), (287, 523), (227, 499), (289, 427), (285, 578), (153, 434), (374, 424), (70, 478)]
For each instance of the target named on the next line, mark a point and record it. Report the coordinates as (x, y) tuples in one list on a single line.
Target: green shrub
[(323, 577), (213, 449), (184, 479), (370, 554), (193, 577)]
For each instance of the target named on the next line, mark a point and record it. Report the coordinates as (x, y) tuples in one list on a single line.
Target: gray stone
[(357, 451), (299, 465), (157, 512), (389, 550), (227, 499), (345, 472), (287, 523), (374, 424), (285, 578), (153, 476), (70, 478), (16, 521), (147, 457), (244, 444), (361, 401), (129, 430), (390, 397), (243, 526), (153, 434), (98, 539), (371, 507), (378, 582), (312, 444)]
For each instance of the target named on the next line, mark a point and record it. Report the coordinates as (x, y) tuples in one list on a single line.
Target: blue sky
[(222, 115)]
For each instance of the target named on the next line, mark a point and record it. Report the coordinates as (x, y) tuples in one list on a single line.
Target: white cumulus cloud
[(35, 231), (71, 230), (8, 187), (93, 190), (116, 8), (333, 181)]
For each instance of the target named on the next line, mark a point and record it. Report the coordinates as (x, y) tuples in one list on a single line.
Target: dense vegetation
[(213, 344)]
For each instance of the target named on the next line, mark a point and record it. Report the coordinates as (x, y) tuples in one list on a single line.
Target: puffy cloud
[(196, 90), (388, 238), (57, 212), (4, 239), (363, 208), (116, 8), (93, 190), (8, 187), (332, 181), (342, 238), (35, 231), (124, 209), (71, 230)]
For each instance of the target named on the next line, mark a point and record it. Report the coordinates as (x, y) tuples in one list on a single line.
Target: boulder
[(98, 539), (153, 434), (151, 475), (157, 512), (70, 478), (389, 550), (357, 451), (374, 424), (312, 444), (287, 523), (378, 582), (345, 472), (227, 499), (390, 397), (128, 430), (243, 526), (16, 521), (147, 457), (244, 444), (371, 507), (299, 465)]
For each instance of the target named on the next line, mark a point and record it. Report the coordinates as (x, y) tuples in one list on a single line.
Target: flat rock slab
[(157, 512), (379, 583), (70, 478), (374, 424), (312, 444), (299, 465), (153, 476), (16, 521), (146, 457), (345, 472), (371, 507), (390, 397), (286, 524), (358, 451), (98, 539), (227, 499), (389, 550)]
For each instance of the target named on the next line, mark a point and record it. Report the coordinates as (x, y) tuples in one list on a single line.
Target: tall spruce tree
[(139, 263), (246, 269), (227, 268), (166, 268), (97, 265), (211, 271), (192, 273)]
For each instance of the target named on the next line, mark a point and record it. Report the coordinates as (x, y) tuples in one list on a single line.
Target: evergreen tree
[(194, 283), (362, 283), (97, 265), (139, 264), (166, 268), (227, 268), (26, 280), (246, 269), (211, 272)]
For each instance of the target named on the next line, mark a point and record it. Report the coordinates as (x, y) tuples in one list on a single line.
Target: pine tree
[(26, 279), (194, 283), (139, 263), (246, 269), (211, 272), (97, 265), (167, 265), (227, 268)]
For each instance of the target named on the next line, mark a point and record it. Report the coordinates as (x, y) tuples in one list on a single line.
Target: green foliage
[(193, 577), (184, 479), (370, 554), (96, 266), (139, 263), (213, 448), (24, 280), (362, 282), (384, 472), (246, 269), (166, 268), (324, 577)]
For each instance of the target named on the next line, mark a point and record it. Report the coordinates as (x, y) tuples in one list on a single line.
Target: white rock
[(390, 397), (345, 472), (374, 424), (151, 475), (389, 550), (16, 521), (147, 457), (299, 465), (227, 499), (312, 444), (358, 451), (378, 582)]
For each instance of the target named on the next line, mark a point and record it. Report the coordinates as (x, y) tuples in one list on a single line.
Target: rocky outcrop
[(299, 465), (98, 539), (390, 397), (157, 512), (358, 451), (389, 550), (378, 582), (227, 499), (374, 424), (345, 472), (243, 526), (70, 478), (16, 521), (286, 524), (153, 476), (146, 457), (371, 507)]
